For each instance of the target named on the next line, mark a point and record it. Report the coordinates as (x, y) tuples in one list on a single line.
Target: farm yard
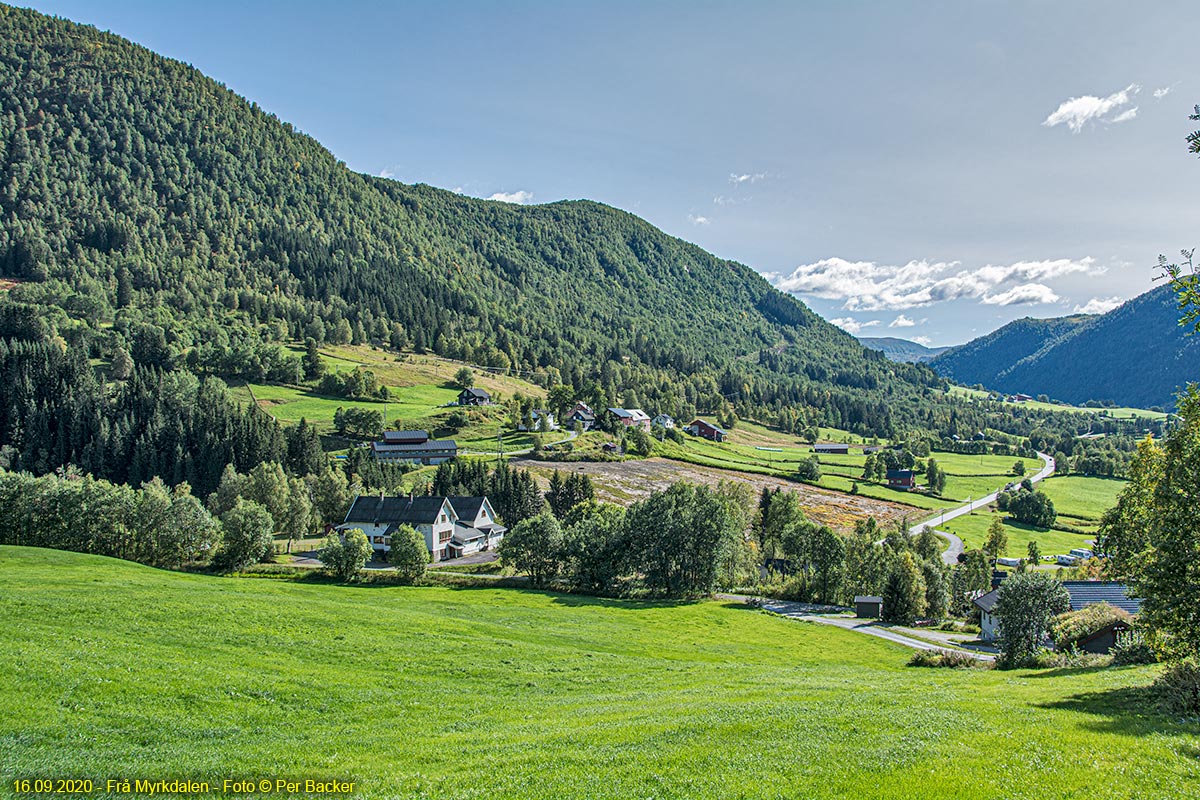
[(487, 693)]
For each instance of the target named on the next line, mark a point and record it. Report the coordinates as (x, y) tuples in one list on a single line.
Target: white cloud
[(901, 322), (1025, 294), (386, 173), (867, 286), (852, 326), (1159, 94), (1078, 111), (726, 200), (747, 177), (697, 220), (925, 340), (1125, 116), (520, 197), (1099, 305)]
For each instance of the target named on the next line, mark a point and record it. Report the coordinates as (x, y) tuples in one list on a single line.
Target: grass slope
[(118, 670)]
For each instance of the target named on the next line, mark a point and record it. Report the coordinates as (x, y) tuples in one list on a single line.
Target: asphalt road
[(951, 553)]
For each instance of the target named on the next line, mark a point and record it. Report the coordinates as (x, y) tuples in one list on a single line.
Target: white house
[(476, 528), (451, 526), (536, 417), (663, 421), (989, 625)]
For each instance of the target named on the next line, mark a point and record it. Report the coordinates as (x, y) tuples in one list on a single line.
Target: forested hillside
[(139, 193), (981, 360), (1135, 355)]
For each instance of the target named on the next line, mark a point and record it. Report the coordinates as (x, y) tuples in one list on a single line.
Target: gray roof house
[(451, 526), (867, 606)]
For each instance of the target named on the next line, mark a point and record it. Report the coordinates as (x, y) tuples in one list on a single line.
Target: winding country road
[(951, 553)]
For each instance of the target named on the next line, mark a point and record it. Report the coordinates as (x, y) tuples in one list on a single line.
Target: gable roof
[(377, 510), (1088, 593), (899, 474), (697, 422), (629, 413), (987, 602), (475, 391), (406, 437), (867, 598), (467, 508)]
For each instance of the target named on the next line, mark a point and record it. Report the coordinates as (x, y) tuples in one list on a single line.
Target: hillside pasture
[(117, 670)]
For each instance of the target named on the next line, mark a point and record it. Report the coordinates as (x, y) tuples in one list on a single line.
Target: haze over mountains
[(903, 350), (1136, 355)]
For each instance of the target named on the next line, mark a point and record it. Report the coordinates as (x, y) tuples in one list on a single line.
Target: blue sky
[(928, 170)]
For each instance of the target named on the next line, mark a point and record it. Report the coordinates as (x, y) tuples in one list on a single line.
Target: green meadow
[(1079, 500), (1114, 413), (117, 670), (754, 448)]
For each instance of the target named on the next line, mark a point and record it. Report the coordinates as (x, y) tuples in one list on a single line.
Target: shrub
[(408, 554), (1069, 629), (344, 556), (952, 659), (1179, 687), (1132, 648)]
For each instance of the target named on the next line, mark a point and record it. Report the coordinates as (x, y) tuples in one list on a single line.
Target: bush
[(952, 659), (1179, 687), (1132, 648), (408, 554), (1069, 629), (344, 556)]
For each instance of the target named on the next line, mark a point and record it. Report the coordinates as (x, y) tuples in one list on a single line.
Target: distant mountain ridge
[(1136, 355), (902, 350)]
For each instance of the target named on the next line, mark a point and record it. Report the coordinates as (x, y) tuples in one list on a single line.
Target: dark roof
[(405, 437), (698, 422), (867, 598), (377, 510), (475, 391), (1087, 593), (433, 446), (987, 602), (467, 507), (899, 474), (579, 413)]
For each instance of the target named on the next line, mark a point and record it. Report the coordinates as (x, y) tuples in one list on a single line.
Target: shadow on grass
[(1127, 710)]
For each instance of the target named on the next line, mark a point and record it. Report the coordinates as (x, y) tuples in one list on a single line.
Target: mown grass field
[(112, 669), (1079, 501), (1114, 413), (754, 448), (420, 387)]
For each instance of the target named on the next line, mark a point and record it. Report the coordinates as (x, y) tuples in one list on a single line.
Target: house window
[(444, 536), (378, 540), (443, 517)]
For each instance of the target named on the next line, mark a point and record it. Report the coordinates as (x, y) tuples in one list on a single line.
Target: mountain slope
[(901, 349), (1136, 355), (135, 191)]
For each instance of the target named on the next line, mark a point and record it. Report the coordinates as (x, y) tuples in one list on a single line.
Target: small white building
[(541, 420), (663, 421), (989, 625)]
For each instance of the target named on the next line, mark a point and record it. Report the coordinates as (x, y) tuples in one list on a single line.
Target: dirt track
[(626, 481)]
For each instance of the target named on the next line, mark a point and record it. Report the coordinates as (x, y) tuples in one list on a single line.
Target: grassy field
[(420, 388), (1115, 413), (756, 449), (116, 670), (1079, 501)]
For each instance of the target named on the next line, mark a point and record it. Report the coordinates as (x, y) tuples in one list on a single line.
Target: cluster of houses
[(1082, 594), (637, 418), (452, 526)]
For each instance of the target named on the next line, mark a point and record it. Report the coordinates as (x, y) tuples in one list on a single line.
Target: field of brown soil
[(627, 481)]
